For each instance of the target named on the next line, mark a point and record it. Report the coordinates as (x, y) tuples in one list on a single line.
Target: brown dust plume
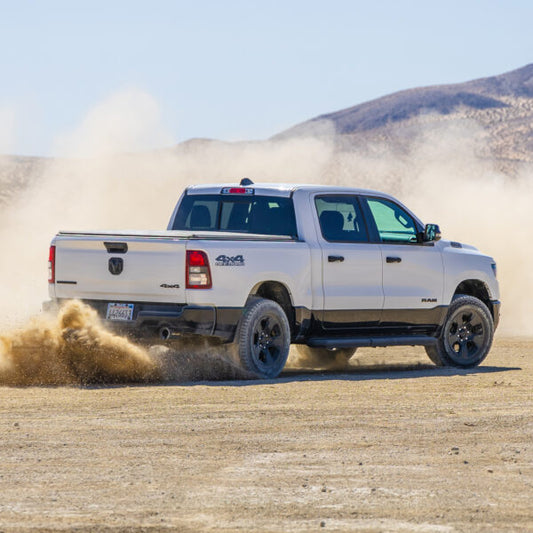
[(74, 348), (71, 348)]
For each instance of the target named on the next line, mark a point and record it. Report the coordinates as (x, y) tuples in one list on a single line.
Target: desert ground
[(390, 443)]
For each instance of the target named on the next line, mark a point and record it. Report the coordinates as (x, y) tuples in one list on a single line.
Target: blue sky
[(238, 69)]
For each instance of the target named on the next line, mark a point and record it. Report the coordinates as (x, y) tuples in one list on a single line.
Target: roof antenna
[(246, 181)]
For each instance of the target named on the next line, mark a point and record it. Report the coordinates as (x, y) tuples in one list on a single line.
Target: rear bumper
[(152, 320)]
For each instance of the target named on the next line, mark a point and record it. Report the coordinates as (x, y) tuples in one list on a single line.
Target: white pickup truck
[(262, 266)]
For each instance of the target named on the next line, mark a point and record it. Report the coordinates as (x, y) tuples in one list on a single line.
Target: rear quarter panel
[(287, 262)]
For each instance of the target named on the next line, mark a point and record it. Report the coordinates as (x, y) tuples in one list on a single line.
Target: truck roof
[(280, 189)]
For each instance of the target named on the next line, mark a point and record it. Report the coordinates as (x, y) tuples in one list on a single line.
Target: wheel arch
[(476, 288), (279, 293)]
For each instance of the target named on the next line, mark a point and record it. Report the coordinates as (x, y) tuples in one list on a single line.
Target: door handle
[(116, 247), (394, 259), (333, 258)]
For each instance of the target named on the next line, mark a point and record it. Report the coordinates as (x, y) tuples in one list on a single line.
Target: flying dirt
[(71, 348), (74, 348)]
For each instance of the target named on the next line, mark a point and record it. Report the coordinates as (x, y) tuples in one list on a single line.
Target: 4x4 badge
[(226, 260)]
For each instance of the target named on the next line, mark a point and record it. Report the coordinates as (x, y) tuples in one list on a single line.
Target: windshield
[(267, 215)]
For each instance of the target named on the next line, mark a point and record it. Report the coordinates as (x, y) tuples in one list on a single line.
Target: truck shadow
[(353, 373), (396, 371)]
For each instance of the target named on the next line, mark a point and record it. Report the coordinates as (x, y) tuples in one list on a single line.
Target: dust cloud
[(72, 347), (107, 187), (300, 356), (104, 181)]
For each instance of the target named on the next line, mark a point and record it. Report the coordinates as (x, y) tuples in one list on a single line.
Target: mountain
[(502, 105)]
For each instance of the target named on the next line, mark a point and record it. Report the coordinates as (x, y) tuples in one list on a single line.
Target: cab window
[(267, 215), (393, 223), (341, 219)]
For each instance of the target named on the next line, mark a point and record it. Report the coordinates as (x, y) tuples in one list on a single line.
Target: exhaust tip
[(165, 333)]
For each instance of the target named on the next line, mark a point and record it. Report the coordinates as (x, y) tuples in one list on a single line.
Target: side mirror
[(431, 233)]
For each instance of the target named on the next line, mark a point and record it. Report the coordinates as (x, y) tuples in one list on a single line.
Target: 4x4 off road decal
[(227, 261)]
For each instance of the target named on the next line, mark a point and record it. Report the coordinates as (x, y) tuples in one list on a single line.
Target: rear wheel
[(263, 338), (324, 357), (466, 336)]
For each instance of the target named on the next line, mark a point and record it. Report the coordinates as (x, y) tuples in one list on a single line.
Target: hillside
[(502, 105)]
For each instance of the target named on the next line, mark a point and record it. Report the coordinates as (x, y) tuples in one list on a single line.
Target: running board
[(363, 342)]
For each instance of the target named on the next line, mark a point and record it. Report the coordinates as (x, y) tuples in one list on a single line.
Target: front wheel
[(466, 336), (263, 338)]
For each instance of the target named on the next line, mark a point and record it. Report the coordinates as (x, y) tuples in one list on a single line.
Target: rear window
[(341, 219), (267, 215)]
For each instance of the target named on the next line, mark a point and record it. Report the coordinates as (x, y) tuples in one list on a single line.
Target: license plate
[(119, 311)]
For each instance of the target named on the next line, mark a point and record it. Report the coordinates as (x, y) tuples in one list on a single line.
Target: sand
[(390, 444)]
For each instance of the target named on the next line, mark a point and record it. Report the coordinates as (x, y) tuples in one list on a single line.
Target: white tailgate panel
[(147, 265)]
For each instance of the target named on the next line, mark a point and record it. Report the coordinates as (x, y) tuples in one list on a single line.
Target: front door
[(413, 276)]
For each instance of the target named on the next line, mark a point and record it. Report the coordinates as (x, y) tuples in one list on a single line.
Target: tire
[(263, 338), (325, 357), (466, 335)]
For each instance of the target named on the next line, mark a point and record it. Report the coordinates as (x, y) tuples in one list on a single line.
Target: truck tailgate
[(120, 267)]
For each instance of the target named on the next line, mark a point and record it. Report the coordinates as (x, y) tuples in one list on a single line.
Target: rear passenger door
[(351, 265)]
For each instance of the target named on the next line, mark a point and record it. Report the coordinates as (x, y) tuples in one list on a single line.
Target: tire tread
[(255, 308), (438, 354)]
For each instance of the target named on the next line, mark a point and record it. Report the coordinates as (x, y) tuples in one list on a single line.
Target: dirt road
[(395, 446)]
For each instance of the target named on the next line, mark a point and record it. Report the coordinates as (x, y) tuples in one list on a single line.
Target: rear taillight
[(52, 265), (197, 270)]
